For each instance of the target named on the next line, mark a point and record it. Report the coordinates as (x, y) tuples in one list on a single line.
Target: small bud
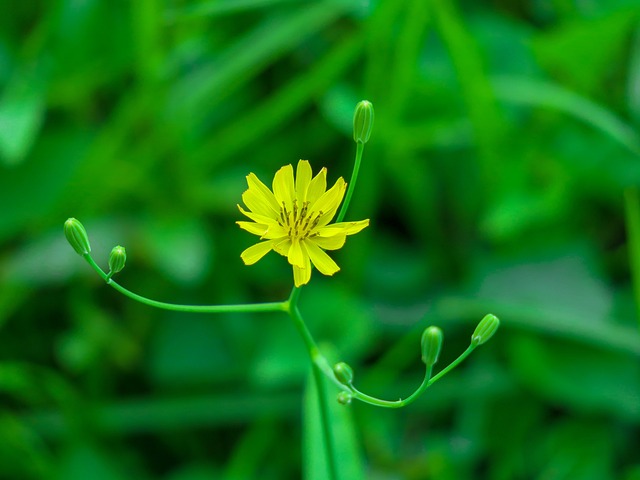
[(485, 329), (431, 345), (344, 373), (117, 259), (77, 236), (344, 398), (362, 121)]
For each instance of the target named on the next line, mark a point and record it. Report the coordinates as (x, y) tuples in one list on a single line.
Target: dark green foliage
[(506, 136)]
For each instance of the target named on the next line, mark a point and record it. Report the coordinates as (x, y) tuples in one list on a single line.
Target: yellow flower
[(293, 220)]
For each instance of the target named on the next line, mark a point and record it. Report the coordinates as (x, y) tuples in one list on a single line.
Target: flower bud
[(485, 329), (77, 236), (431, 345), (117, 259), (344, 373), (344, 398), (362, 121)]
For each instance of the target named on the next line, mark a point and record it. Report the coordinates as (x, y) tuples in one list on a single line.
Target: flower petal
[(256, 217), (317, 187), (301, 276), (320, 259), (255, 252), (342, 228), (275, 232), (283, 186), (255, 228), (255, 202), (329, 202), (330, 243), (263, 192), (296, 256), (303, 178), (282, 246)]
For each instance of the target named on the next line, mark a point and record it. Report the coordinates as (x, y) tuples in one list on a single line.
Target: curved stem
[(398, 403), (352, 182), (250, 307), (453, 364), (314, 352), (294, 296), (426, 383)]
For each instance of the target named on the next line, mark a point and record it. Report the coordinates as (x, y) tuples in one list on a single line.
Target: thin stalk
[(398, 403), (453, 364), (426, 383), (294, 296), (352, 182), (314, 352), (249, 307)]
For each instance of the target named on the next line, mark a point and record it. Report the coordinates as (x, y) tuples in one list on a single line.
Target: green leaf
[(544, 94), (571, 54), (22, 108), (349, 463), (581, 378)]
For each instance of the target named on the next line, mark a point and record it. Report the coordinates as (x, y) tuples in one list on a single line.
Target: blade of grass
[(406, 57), (348, 457), (633, 81), (218, 8), (252, 450), (605, 335), (477, 91), (142, 415), (280, 107), (632, 220), (631, 196), (198, 92), (147, 30), (379, 30), (540, 93)]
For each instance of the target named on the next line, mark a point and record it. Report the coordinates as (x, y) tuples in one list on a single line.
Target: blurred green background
[(501, 177)]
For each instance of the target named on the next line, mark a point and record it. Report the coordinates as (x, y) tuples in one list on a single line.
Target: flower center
[(299, 221)]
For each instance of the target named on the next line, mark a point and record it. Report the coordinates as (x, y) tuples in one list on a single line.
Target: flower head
[(293, 220)]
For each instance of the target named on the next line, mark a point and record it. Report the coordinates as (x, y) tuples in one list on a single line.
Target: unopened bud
[(485, 329), (77, 236), (344, 373), (117, 259), (431, 345), (344, 398), (362, 121)]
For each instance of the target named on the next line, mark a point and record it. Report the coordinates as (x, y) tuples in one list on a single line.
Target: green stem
[(255, 307), (314, 352), (352, 182), (294, 296), (398, 403), (320, 366), (453, 364), (426, 383)]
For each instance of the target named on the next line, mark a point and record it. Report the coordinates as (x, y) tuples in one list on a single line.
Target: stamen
[(286, 214), (316, 220), (303, 212)]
